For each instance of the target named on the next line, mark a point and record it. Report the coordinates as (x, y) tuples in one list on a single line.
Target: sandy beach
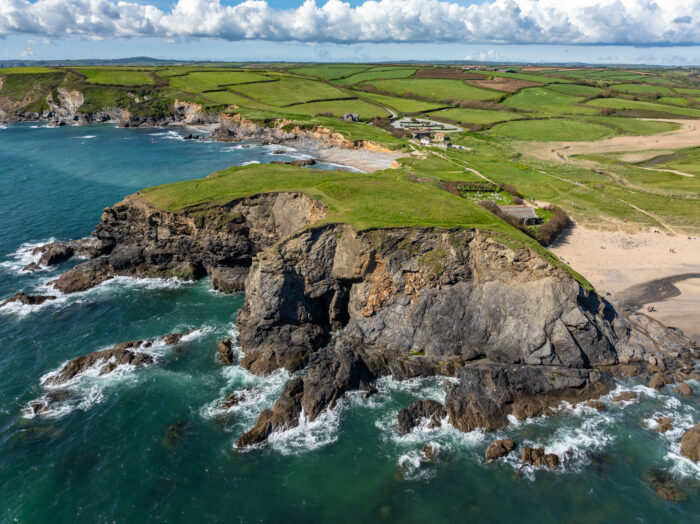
[(615, 261)]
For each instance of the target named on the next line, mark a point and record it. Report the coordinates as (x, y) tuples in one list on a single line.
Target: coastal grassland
[(575, 89), (475, 116), (402, 105), (436, 90), (330, 71), (684, 160), (339, 108), (29, 86), (290, 90), (26, 70), (198, 81), (377, 74), (557, 129), (225, 96), (642, 88), (634, 126), (545, 101), (112, 76), (619, 103)]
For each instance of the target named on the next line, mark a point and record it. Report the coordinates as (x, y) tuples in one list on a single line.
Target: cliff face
[(520, 334)]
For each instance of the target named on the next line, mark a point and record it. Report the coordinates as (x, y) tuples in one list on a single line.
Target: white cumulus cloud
[(634, 22)]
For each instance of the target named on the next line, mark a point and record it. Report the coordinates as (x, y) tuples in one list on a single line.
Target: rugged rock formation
[(142, 241), (690, 443), (519, 333), (31, 300), (224, 352), (412, 416), (110, 359), (499, 448), (538, 458)]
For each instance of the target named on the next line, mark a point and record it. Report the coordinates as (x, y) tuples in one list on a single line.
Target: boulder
[(658, 380), (429, 452), (412, 416), (625, 396), (31, 300), (690, 443), (84, 276), (538, 458), (32, 267), (499, 448), (685, 389), (225, 352), (663, 424), (232, 400), (54, 253), (595, 404), (303, 162)]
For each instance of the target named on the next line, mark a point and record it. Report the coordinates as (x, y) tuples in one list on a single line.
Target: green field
[(435, 89), (124, 77), (618, 103), (557, 129), (634, 126), (26, 70), (545, 101), (376, 74), (290, 90), (575, 89), (475, 116), (203, 81), (403, 105), (339, 108), (330, 72), (674, 100), (642, 88)]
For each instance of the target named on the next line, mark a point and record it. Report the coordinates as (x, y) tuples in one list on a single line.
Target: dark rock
[(499, 448), (84, 276), (664, 424), (279, 152), (228, 279), (690, 443), (31, 300), (175, 434), (54, 253), (625, 396), (596, 404), (429, 452), (175, 338), (664, 485), (538, 458), (225, 352), (232, 400), (412, 416), (303, 162), (32, 267), (659, 380)]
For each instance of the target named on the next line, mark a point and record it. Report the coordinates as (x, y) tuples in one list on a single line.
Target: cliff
[(351, 306)]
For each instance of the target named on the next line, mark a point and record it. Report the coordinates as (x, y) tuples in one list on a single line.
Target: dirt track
[(687, 136)]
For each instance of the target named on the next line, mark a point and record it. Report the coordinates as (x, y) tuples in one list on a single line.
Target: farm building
[(421, 135), (525, 214), (351, 117)]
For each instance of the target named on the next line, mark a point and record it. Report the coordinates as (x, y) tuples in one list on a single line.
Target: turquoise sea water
[(105, 454)]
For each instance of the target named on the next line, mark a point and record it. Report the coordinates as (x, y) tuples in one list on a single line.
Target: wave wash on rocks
[(349, 307)]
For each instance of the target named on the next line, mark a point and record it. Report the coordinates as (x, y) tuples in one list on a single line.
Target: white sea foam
[(249, 163), (85, 137), (308, 436), (24, 256), (3, 126)]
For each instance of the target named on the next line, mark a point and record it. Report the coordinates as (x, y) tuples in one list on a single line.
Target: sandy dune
[(615, 261), (687, 136)]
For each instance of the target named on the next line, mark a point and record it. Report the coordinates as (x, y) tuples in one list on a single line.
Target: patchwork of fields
[(504, 114)]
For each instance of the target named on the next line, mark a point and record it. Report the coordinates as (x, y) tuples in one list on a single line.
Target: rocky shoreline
[(348, 307)]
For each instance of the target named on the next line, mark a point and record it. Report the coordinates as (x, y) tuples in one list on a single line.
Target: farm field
[(618, 103), (436, 90), (403, 105), (556, 129), (642, 88), (545, 101), (197, 81), (330, 72), (575, 89), (475, 116), (339, 108), (376, 74), (290, 90), (117, 76)]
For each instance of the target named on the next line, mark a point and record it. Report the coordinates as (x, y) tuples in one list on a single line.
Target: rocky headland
[(341, 308)]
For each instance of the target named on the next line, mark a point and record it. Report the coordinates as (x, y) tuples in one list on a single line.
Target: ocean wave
[(23, 310), (308, 436), (85, 137), (249, 163), (168, 135), (3, 126), (24, 256), (87, 388)]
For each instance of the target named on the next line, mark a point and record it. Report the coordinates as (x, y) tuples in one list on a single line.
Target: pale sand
[(367, 161), (614, 261)]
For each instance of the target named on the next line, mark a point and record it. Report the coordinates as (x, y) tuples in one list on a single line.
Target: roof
[(521, 212)]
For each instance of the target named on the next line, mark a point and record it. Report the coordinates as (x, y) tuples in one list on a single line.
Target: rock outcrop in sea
[(519, 333)]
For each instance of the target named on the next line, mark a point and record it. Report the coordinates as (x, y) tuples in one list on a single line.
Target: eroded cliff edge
[(340, 308)]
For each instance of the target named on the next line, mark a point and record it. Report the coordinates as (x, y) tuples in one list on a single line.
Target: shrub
[(555, 225)]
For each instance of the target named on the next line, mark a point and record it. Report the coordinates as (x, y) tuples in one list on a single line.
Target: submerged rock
[(412, 416), (690, 443), (664, 424), (32, 300), (232, 400), (626, 396), (664, 485), (499, 448), (176, 433), (596, 404)]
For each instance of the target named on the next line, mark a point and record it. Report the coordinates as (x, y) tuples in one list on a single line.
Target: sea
[(153, 444)]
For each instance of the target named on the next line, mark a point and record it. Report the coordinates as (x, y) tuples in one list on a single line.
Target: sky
[(655, 32)]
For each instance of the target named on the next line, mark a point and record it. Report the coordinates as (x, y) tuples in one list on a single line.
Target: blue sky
[(663, 32)]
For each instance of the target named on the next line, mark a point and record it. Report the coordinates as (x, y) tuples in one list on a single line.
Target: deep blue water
[(102, 455)]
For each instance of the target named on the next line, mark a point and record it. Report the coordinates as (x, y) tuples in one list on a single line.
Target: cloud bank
[(580, 22)]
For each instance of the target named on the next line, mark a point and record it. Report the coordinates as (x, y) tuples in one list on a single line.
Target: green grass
[(403, 105), (687, 161), (575, 89), (226, 97), (290, 90), (475, 116), (376, 74), (618, 103), (124, 77), (339, 108), (26, 70), (201, 81), (642, 88), (674, 100), (435, 89), (330, 72), (545, 101), (691, 92), (551, 129)]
